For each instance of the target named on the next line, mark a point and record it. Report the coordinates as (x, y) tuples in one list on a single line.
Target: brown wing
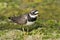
[(21, 19)]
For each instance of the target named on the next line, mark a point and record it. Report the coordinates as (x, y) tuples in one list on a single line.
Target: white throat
[(33, 16)]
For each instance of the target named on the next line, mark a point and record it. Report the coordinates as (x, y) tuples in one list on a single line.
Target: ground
[(47, 26)]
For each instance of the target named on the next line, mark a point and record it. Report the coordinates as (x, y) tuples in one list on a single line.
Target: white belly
[(29, 23)]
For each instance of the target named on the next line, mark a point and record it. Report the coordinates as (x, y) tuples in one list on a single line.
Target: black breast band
[(31, 19)]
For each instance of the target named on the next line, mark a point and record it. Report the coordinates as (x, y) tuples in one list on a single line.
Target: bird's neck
[(31, 18)]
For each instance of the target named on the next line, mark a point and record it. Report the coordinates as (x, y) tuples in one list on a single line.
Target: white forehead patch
[(36, 12)]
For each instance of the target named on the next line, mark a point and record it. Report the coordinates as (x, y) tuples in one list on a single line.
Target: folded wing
[(19, 19)]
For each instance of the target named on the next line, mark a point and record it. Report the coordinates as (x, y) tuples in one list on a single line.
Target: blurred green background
[(47, 26)]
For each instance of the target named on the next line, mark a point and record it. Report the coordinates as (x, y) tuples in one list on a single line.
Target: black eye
[(34, 12)]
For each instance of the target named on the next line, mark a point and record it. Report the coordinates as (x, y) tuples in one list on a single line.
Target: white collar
[(33, 16)]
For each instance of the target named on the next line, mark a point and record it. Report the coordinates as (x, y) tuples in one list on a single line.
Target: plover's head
[(33, 13)]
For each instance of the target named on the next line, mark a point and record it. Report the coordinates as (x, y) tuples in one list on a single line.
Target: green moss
[(47, 25)]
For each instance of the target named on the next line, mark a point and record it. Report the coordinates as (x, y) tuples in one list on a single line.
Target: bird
[(25, 19)]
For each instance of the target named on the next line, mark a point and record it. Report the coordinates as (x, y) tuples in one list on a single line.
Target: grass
[(47, 26)]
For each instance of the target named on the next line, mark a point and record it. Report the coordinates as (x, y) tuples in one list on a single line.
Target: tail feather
[(9, 17), (12, 18)]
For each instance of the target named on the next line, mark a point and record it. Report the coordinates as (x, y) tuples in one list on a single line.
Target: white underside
[(29, 23)]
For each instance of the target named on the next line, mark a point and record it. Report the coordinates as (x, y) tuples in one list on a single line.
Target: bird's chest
[(30, 20), (29, 23)]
